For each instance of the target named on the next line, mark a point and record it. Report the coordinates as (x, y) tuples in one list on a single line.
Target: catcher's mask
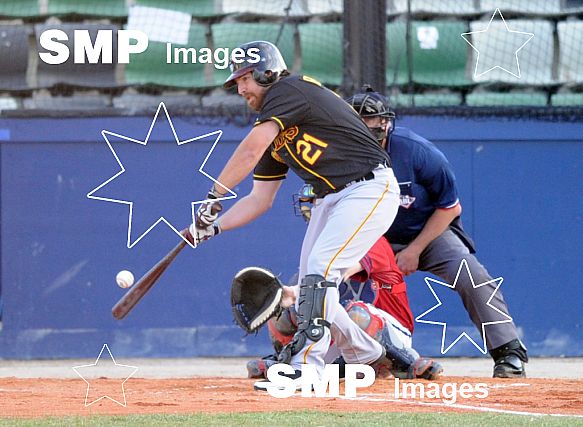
[(302, 202), (369, 103), (266, 63)]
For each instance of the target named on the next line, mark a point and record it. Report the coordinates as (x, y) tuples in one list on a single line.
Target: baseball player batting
[(306, 127)]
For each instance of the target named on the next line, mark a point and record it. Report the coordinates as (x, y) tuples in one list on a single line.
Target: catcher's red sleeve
[(379, 264)]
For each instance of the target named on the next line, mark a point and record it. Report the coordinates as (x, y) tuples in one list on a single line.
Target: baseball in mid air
[(124, 279)]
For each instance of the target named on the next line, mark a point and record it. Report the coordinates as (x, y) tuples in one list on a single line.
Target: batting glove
[(203, 234), (208, 212)]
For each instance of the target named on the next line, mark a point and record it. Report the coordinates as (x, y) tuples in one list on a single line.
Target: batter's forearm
[(239, 166), (243, 212), (246, 156), (435, 225), (251, 206)]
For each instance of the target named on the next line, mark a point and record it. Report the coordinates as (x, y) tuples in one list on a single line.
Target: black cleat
[(509, 360), (509, 367)]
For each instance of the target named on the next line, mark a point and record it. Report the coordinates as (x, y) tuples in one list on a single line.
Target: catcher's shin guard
[(310, 315), (421, 367), (402, 359)]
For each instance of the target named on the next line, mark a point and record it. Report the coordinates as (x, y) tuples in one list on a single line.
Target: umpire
[(427, 233)]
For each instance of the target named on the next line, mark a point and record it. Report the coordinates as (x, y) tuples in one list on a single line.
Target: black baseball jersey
[(322, 138)]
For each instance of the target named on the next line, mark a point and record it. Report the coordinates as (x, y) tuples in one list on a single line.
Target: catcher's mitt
[(255, 297)]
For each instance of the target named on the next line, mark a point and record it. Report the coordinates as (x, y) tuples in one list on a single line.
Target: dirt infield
[(59, 397)]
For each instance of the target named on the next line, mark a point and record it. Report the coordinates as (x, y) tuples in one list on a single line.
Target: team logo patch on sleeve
[(406, 201)]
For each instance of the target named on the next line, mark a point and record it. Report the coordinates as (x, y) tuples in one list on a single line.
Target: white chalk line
[(509, 385), (371, 398)]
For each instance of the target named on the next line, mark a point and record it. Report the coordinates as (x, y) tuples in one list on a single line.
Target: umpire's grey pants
[(442, 257)]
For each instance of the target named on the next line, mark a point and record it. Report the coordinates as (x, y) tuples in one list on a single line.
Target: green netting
[(265, 8), (13, 57), (151, 67), (441, 7), (321, 47), (571, 51), (19, 8), (396, 54), (235, 34), (498, 48), (325, 7), (200, 8), (100, 8), (535, 7), (512, 99), (439, 54), (426, 100), (436, 66), (567, 100)]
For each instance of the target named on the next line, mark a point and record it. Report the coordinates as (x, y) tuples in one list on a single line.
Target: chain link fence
[(456, 56)]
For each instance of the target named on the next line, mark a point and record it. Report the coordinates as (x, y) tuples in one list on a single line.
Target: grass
[(302, 418)]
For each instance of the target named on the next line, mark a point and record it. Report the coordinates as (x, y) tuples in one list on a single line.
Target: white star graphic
[(493, 46), (107, 134), (97, 372), (498, 281)]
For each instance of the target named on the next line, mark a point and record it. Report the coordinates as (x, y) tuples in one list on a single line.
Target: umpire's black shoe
[(509, 367), (509, 360)]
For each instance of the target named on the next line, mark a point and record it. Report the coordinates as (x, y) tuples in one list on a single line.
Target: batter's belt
[(368, 177)]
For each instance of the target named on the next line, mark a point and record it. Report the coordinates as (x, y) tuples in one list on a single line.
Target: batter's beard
[(250, 103), (254, 103)]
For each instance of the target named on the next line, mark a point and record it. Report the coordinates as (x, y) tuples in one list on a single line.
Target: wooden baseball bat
[(141, 288)]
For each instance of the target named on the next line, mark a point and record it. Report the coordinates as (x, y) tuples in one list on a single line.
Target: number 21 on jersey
[(310, 148)]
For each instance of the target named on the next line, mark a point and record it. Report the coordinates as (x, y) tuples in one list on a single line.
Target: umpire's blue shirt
[(426, 180)]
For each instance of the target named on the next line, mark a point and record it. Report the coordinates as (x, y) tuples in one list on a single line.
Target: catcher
[(373, 294)]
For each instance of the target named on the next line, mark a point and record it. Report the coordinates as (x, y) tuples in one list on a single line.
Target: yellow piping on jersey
[(278, 122), (269, 176), (309, 170), (275, 119), (357, 230), (308, 352)]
